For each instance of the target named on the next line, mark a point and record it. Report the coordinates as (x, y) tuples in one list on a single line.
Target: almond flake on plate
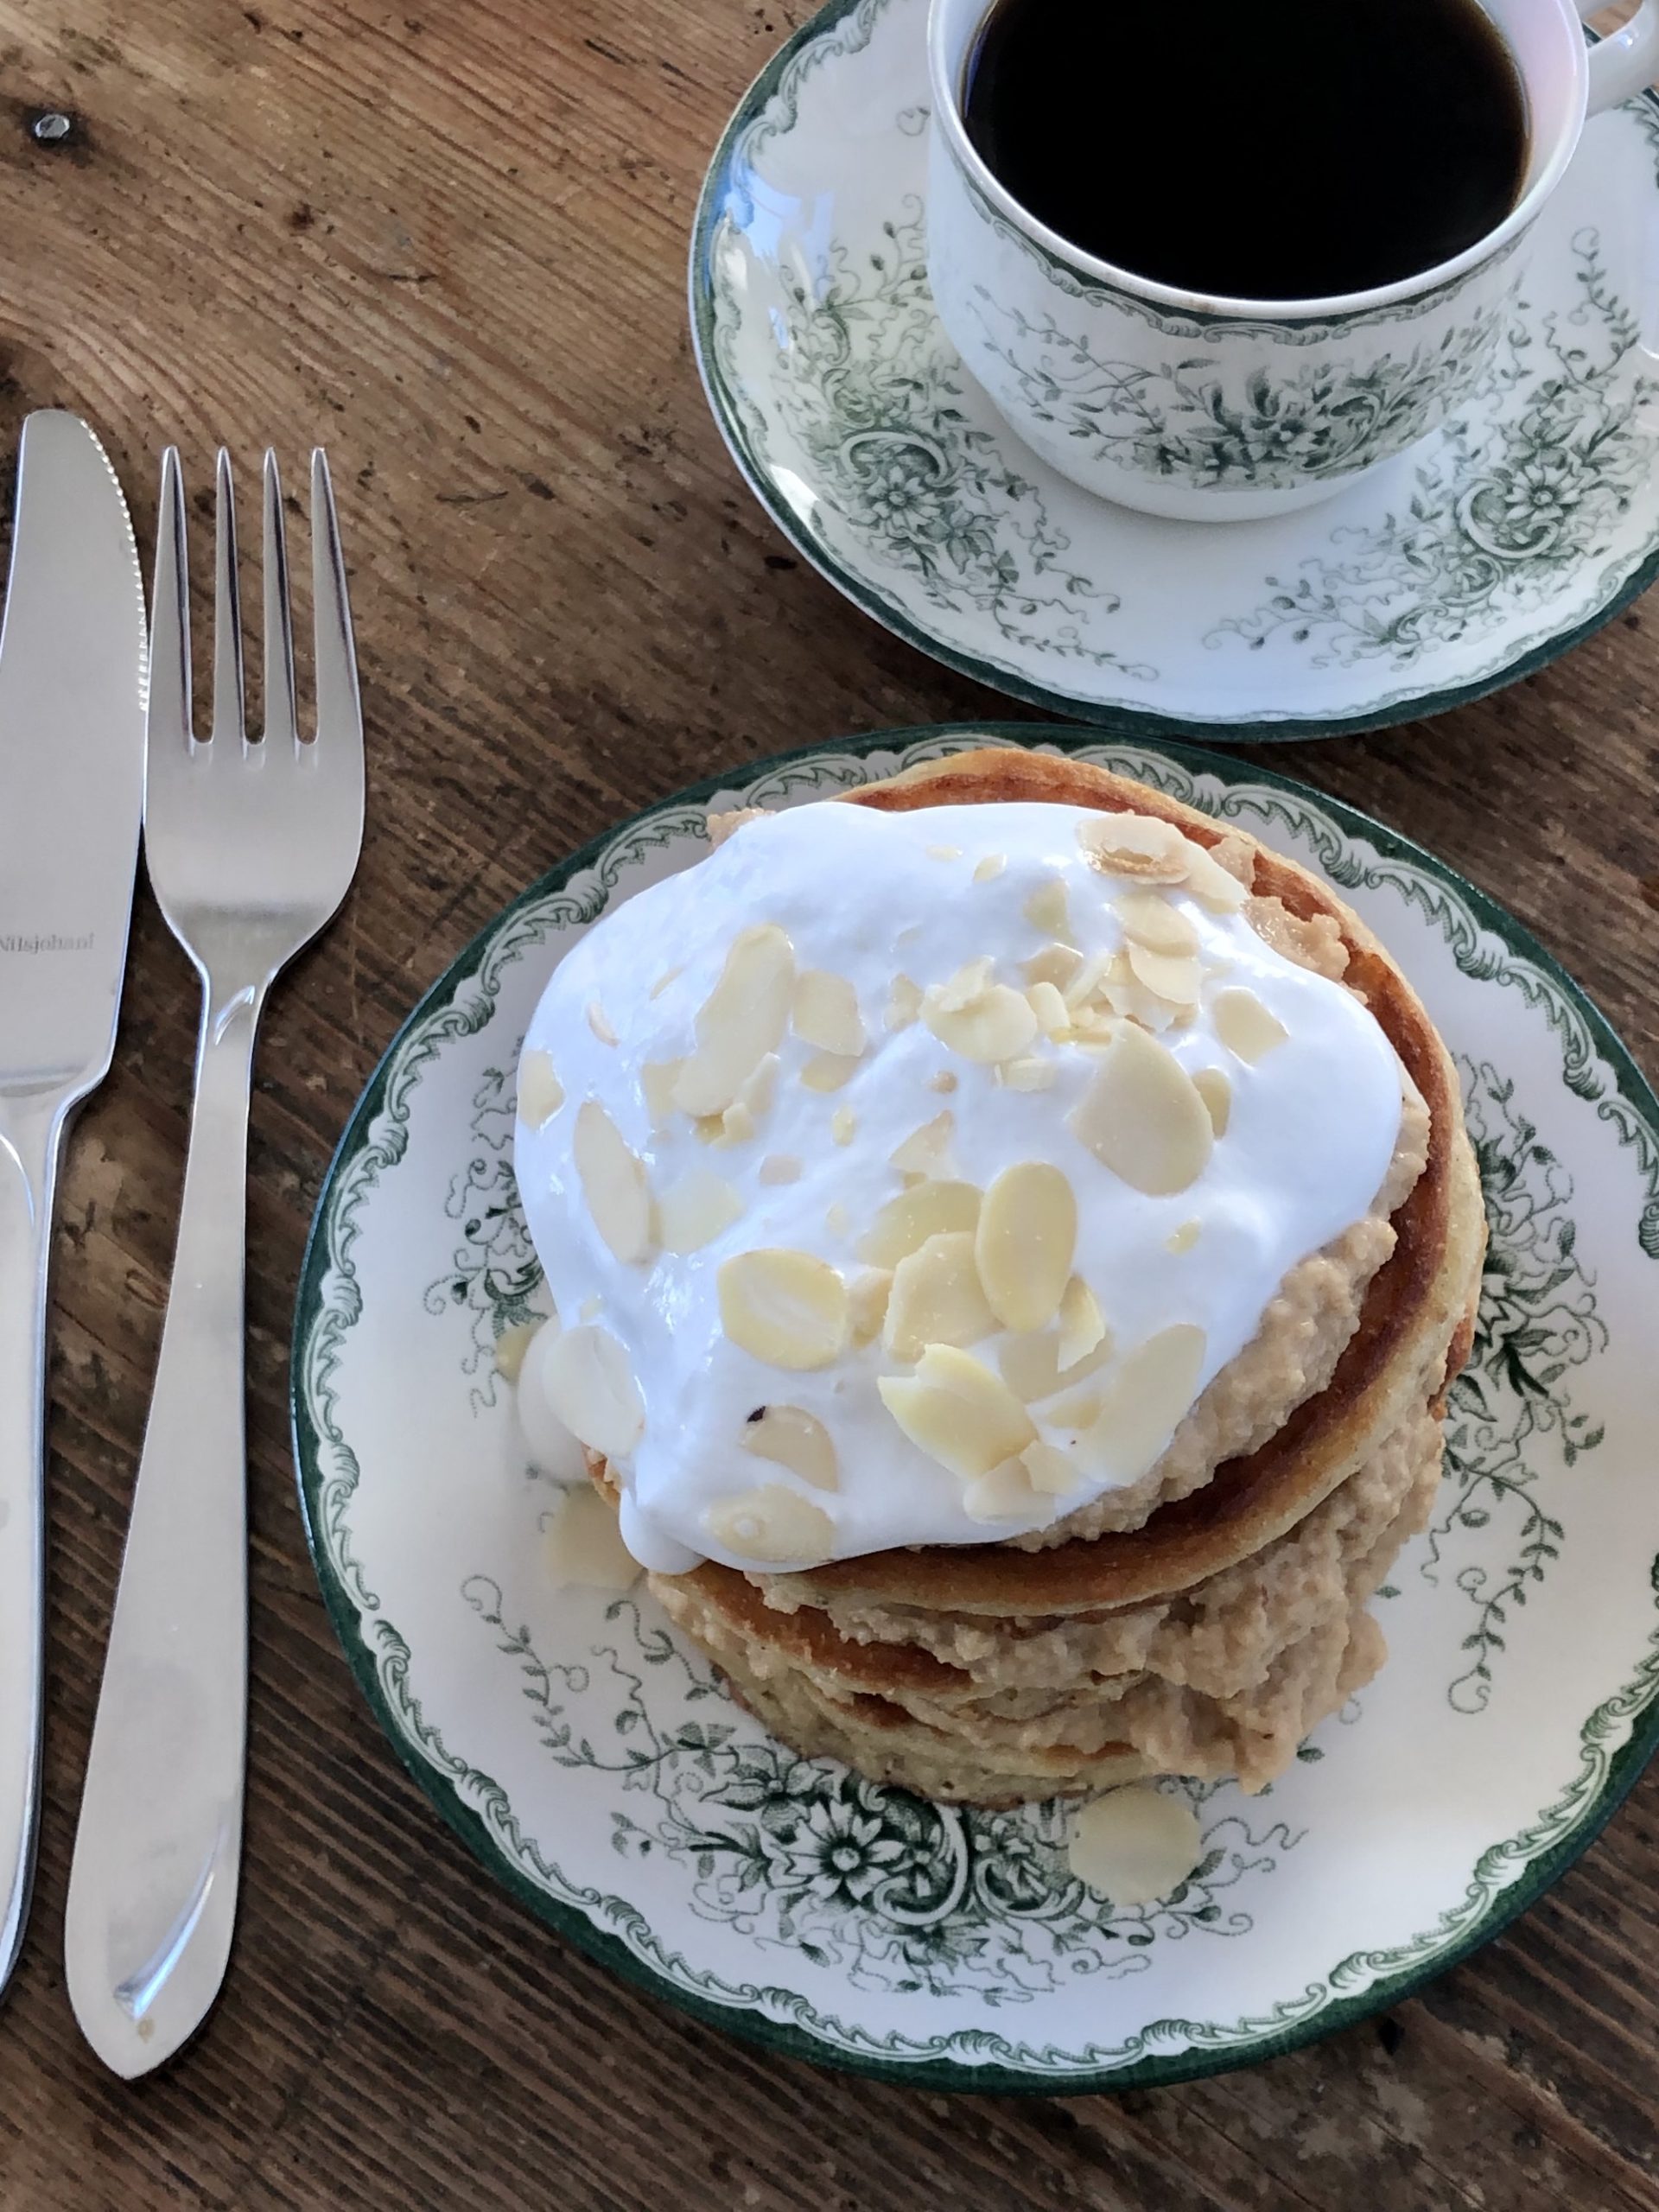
[(1212, 1086), (600, 1022), (696, 1211), (827, 1071), (905, 1222), (990, 867), (957, 1411), (772, 1524), (825, 1013), (740, 1021), (786, 1308), (790, 1437), (1045, 908), (1142, 1117), (936, 1298), (844, 1125), (540, 1092), (1245, 1024), (1148, 918), (867, 1302), (1138, 845), (588, 1381), (904, 1003), (1143, 1402), (1024, 1240), (927, 1151), (1028, 1073), (613, 1182), (781, 1167)]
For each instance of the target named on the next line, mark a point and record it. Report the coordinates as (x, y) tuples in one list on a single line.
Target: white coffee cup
[(1243, 408)]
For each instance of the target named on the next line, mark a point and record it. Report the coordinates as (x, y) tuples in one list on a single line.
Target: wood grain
[(450, 242)]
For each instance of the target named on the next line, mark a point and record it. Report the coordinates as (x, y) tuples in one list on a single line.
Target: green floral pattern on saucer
[(599, 1771), (1469, 559)]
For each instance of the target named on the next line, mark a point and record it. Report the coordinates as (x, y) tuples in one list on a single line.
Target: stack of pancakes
[(1208, 1630)]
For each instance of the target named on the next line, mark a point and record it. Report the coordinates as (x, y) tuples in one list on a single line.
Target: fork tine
[(339, 712), (280, 726), (227, 609), (169, 654)]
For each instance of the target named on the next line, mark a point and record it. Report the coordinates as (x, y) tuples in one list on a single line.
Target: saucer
[(1477, 556), (600, 1771)]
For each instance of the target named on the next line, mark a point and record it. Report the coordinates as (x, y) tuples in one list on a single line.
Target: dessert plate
[(1477, 557), (601, 1773)]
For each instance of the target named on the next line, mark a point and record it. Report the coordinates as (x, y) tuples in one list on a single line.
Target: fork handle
[(31, 1127), (153, 1884)]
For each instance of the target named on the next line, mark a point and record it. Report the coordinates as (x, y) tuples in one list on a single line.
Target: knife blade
[(73, 664)]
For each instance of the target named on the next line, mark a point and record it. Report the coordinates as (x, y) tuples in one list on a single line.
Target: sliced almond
[(759, 1087), (1048, 1469), (583, 1547), (1184, 1238), (1212, 886), (827, 1071), (600, 1022), (1212, 1086), (825, 1011), (837, 1219), (904, 1003), (1081, 1326), (958, 1412), (1045, 908), (740, 1021), (787, 1308), (511, 1344), (844, 1125), (1134, 1845), (1006, 1494), (657, 1082), (1141, 1117), (1245, 1024), (936, 1298), (969, 983), (1031, 1365), (867, 1302), (1088, 978), (734, 1126), (613, 1182), (1148, 918), (944, 852), (1143, 1402), (1075, 1410), (1026, 1233), (997, 1026), (927, 1151), (1028, 1073), (696, 1211), (588, 1381), (990, 867), (664, 979), (773, 1524), (1138, 845), (1174, 977), (590, 1307), (1055, 963), (781, 1167), (905, 1222), (790, 1437), (944, 1080), (540, 1092), (1053, 1015)]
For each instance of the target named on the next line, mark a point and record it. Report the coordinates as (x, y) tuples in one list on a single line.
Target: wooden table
[(450, 242)]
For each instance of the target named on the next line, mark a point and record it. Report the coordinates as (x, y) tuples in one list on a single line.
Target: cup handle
[(1627, 62)]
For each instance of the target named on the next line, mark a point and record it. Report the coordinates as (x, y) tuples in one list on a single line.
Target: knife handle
[(31, 1127), (153, 1884)]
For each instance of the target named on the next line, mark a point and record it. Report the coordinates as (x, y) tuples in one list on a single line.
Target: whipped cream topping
[(862, 1232)]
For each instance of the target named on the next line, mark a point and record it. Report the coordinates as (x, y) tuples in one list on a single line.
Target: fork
[(251, 846)]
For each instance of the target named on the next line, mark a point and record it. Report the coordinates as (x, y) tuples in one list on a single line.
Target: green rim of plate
[(1128, 722), (1192, 2063)]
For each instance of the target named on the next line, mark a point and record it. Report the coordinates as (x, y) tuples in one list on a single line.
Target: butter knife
[(72, 650)]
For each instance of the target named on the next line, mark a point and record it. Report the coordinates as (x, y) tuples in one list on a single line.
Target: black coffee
[(1273, 150)]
